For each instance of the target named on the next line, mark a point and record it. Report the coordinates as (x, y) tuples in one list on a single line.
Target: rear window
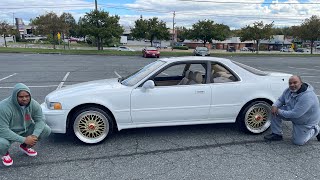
[(251, 69)]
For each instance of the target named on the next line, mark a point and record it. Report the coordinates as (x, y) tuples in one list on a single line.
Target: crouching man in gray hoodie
[(300, 105)]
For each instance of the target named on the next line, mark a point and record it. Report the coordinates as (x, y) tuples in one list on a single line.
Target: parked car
[(150, 52), (302, 50), (231, 49), (318, 47), (201, 51), (252, 49), (167, 92), (286, 50), (244, 49), (124, 48)]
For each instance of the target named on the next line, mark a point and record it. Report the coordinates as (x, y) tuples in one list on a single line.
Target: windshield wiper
[(118, 75)]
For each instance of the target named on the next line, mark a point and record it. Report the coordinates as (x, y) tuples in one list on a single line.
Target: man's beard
[(294, 90)]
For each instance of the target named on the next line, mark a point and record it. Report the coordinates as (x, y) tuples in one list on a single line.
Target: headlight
[(54, 105)]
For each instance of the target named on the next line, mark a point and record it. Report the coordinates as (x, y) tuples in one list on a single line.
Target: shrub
[(181, 47)]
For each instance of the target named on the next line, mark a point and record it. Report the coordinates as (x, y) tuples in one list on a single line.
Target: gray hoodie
[(302, 108)]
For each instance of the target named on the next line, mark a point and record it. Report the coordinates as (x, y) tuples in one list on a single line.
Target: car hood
[(87, 87)]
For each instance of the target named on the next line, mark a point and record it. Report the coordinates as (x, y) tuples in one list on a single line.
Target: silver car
[(201, 51)]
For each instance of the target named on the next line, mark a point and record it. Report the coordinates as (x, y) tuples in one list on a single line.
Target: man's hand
[(274, 110), (31, 140)]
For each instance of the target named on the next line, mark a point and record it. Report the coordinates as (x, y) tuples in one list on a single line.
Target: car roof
[(195, 58)]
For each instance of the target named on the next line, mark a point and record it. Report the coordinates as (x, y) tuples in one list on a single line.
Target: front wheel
[(255, 118), (92, 125)]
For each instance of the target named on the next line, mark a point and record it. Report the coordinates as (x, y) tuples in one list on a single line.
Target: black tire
[(255, 118), (91, 125)]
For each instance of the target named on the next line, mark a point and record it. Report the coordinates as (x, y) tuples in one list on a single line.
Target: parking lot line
[(309, 76), (304, 68), (63, 80), (8, 76), (31, 87)]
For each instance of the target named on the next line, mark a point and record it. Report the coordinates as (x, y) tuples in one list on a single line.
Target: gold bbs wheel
[(91, 125), (257, 117)]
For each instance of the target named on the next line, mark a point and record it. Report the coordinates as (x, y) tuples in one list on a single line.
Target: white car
[(167, 92), (286, 50), (244, 49), (124, 48)]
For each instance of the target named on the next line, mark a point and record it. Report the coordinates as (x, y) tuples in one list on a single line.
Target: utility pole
[(96, 9), (173, 32), (12, 19)]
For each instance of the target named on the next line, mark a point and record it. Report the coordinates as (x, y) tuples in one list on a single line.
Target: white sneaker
[(28, 151), (6, 160)]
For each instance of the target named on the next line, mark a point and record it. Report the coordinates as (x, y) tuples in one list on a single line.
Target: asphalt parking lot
[(217, 151)]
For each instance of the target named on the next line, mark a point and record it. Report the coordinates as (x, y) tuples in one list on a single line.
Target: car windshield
[(251, 69), (151, 49), (137, 76), (201, 48)]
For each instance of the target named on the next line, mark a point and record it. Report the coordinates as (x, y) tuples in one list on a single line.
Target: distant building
[(24, 30), (277, 42), (234, 42)]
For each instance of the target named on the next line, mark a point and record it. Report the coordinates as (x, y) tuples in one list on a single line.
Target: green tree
[(5, 30), (69, 24), (309, 30), (207, 31), (151, 29), (256, 32), (102, 26), (286, 31), (140, 29), (235, 33), (49, 23), (182, 33)]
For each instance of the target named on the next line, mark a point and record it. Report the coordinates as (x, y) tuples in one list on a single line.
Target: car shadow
[(186, 131)]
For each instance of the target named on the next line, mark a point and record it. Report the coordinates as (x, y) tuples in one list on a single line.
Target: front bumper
[(152, 55), (56, 119)]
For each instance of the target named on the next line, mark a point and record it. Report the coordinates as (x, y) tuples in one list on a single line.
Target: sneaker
[(6, 159), (28, 151), (318, 136), (273, 137)]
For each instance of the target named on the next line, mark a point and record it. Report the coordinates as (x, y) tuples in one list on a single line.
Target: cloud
[(236, 14), (33, 8)]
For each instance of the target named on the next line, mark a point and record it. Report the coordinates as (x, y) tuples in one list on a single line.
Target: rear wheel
[(255, 118), (92, 125)]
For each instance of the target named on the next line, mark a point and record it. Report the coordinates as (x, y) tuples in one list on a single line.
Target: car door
[(227, 92), (171, 103)]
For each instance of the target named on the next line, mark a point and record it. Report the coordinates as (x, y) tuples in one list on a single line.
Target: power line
[(235, 2), (89, 5)]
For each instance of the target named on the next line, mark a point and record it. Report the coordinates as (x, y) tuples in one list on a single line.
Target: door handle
[(200, 92)]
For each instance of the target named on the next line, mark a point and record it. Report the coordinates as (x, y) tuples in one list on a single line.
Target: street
[(215, 151)]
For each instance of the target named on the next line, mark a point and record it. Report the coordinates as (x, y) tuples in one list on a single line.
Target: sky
[(234, 13)]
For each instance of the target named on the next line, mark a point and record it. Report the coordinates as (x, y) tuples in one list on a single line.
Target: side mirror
[(148, 85)]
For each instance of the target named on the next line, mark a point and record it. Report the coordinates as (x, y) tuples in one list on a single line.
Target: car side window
[(181, 74), (220, 74)]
